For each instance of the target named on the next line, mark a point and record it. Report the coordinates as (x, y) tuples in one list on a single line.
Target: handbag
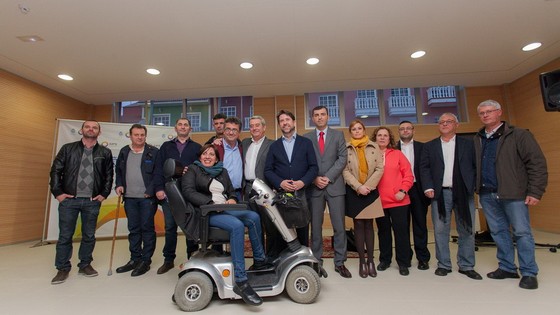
[(293, 208)]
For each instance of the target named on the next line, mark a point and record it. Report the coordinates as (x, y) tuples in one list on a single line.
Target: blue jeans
[(501, 214), (68, 211), (465, 252), (171, 235), (141, 230), (235, 222)]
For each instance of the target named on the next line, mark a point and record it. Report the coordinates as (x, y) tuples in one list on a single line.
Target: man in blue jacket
[(290, 166), (135, 180), (185, 150)]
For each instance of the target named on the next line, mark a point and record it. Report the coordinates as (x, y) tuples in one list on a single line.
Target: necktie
[(321, 142)]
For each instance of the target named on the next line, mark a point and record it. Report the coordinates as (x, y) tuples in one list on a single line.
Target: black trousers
[(396, 220), (418, 212)]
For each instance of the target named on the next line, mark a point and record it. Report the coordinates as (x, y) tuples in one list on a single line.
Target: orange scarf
[(360, 146)]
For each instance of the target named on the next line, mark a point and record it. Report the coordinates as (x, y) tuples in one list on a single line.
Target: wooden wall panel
[(527, 108), (27, 130)]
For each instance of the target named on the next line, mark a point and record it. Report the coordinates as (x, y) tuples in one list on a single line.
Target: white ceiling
[(107, 45)]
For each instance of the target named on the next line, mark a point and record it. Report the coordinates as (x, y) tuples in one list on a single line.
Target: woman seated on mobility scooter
[(208, 182)]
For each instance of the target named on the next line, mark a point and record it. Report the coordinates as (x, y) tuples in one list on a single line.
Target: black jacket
[(65, 167), (196, 186), (147, 168)]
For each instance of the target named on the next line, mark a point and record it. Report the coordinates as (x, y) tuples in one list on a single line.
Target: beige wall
[(29, 113), (28, 119)]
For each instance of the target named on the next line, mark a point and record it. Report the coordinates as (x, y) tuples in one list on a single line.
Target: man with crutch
[(134, 181)]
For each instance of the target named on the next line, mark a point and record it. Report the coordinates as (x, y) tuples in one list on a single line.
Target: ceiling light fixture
[(153, 71), (30, 38), (246, 65), (418, 54), (531, 46), (65, 77), (424, 114), (312, 61)]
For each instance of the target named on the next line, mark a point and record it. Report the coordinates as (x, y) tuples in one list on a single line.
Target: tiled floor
[(26, 272)]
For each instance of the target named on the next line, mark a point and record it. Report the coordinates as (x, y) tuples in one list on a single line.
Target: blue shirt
[(289, 146), (233, 164)]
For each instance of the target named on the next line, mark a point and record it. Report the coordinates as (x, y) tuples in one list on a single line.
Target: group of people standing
[(364, 179)]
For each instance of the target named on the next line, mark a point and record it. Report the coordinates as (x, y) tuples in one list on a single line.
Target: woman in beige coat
[(362, 173)]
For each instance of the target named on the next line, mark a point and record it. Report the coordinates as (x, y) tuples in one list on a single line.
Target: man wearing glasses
[(447, 170), (412, 149), (511, 176), (231, 153)]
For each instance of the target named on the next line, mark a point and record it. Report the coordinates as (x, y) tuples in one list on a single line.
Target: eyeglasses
[(231, 130), (406, 128), (446, 122), (487, 112)]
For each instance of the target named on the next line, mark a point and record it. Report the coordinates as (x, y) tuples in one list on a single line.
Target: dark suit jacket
[(261, 155), (302, 167), (432, 164), (418, 147)]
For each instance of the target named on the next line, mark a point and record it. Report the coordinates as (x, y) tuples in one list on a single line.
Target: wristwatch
[(403, 191)]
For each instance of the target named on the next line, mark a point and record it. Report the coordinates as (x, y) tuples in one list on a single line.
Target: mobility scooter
[(208, 271)]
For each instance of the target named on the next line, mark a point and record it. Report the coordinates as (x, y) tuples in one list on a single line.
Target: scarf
[(460, 198), (214, 170), (360, 145)]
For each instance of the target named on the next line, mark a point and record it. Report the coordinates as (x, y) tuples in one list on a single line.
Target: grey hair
[(450, 114), (263, 122), (492, 103)]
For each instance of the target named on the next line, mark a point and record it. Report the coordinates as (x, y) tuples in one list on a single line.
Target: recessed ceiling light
[(531, 46), (424, 114), (153, 71), (312, 61), (418, 54), (65, 77), (30, 38), (246, 65)]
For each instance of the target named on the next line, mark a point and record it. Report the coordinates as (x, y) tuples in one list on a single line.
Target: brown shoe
[(371, 268), (167, 265), (60, 277), (363, 270), (88, 271), (343, 271)]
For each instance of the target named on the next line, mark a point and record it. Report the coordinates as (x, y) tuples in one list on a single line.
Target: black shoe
[(442, 272), (343, 271), (167, 265), (423, 265), (128, 267), (383, 266), (249, 296), (528, 282), (403, 271), (141, 269), (262, 265), (471, 274), (502, 274), (60, 277)]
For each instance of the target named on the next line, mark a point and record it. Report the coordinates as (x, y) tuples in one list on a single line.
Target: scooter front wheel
[(193, 291), (303, 285)]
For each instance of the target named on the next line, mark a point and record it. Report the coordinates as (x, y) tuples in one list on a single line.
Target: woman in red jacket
[(393, 187)]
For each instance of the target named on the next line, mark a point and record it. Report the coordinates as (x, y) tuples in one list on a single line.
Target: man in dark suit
[(255, 150), (412, 149), (448, 172), (290, 166), (328, 188)]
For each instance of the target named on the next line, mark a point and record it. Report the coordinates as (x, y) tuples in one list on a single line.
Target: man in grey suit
[(255, 150), (328, 188)]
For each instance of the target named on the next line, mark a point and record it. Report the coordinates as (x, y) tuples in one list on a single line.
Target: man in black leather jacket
[(81, 178)]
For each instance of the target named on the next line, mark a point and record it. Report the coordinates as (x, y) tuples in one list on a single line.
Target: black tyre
[(303, 285), (193, 291)]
